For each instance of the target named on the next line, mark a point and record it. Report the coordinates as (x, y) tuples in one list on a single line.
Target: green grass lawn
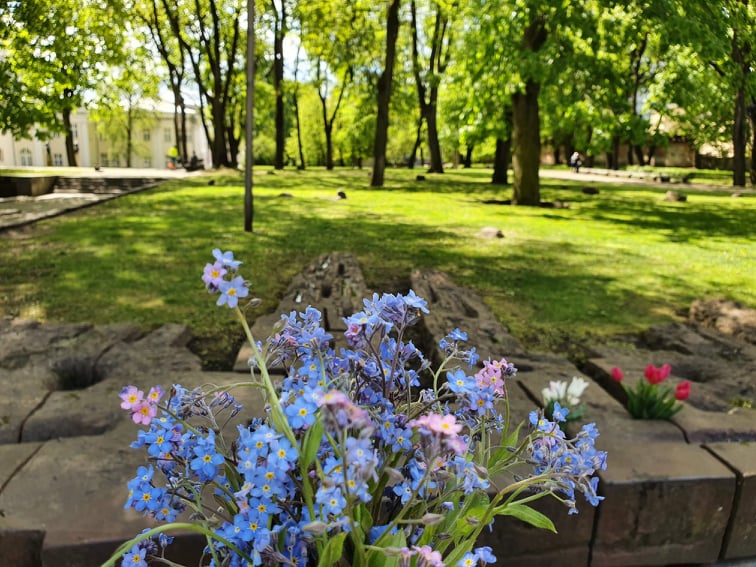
[(611, 263)]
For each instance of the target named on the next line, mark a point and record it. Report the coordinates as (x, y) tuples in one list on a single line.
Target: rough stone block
[(24, 390), (453, 307), (741, 534), (664, 503), (333, 284), (20, 545)]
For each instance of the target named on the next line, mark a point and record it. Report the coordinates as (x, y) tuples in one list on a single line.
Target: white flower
[(575, 390), (566, 395), (557, 391)]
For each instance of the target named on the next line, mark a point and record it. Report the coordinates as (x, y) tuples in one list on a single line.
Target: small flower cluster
[(143, 409), (354, 460), (650, 400), (566, 395)]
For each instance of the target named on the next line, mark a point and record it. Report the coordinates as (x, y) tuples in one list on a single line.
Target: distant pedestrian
[(576, 161)]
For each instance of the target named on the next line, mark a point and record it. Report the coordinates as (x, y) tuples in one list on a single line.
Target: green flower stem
[(126, 547), (515, 488), (277, 414)]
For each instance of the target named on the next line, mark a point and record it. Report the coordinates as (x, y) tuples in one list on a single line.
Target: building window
[(115, 162), (146, 135), (75, 131), (104, 160), (1, 155), (167, 136), (147, 162), (26, 157), (58, 160)]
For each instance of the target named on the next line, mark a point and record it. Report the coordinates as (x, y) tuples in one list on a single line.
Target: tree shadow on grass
[(146, 267)]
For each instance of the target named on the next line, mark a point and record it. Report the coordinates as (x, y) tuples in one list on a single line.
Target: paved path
[(23, 210)]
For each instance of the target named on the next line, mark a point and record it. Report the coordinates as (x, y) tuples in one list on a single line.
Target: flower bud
[(394, 474), (430, 519), (315, 527), (617, 374), (683, 390)]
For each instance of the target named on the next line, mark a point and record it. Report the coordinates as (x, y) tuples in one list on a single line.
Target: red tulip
[(683, 390), (617, 374), (655, 375)]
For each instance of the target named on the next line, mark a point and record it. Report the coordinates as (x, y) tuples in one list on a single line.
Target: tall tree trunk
[(384, 96), (278, 76), (527, 145), (639, 154), (752, 118), (614, 161), (418, 140), (129, 133), (468, 156), (70, 150), (739, 139), (299, 131), (218, 147), (501, 161), (434, 147), (437, 62)]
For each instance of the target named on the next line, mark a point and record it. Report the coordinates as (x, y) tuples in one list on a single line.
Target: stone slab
[(12, 458), (333, 284), (453, 307), (24, 390), (20, 545), (650, 517), (74, 488), (741, 536)]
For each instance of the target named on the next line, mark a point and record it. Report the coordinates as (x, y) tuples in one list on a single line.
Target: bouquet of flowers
[(364, 457)]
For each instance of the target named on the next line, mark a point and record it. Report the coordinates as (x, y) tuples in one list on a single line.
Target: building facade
[(99, 145)]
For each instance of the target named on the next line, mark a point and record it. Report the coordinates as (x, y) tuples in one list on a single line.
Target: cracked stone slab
[(84, 478), (741, 537), (333, 284), (453, 307)]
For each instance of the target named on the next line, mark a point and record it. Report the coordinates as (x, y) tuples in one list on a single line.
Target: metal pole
[(249, 118)]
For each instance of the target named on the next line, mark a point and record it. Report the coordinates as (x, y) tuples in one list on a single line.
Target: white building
[(153, 136)]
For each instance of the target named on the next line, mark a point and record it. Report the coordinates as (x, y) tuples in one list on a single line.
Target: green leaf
[(311, 443), (527, 515), (333, 550)]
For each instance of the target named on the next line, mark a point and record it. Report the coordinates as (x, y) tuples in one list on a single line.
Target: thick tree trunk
[(218, 147), (614, 161), (418, 140), (752, 117), (299, 133), (278, 75), (467, 164), (639, 155), (434, 147), (384, 96), (329, 146), (129, 134), (527, 145), (70, 150), (501, 161), (739, 139)]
